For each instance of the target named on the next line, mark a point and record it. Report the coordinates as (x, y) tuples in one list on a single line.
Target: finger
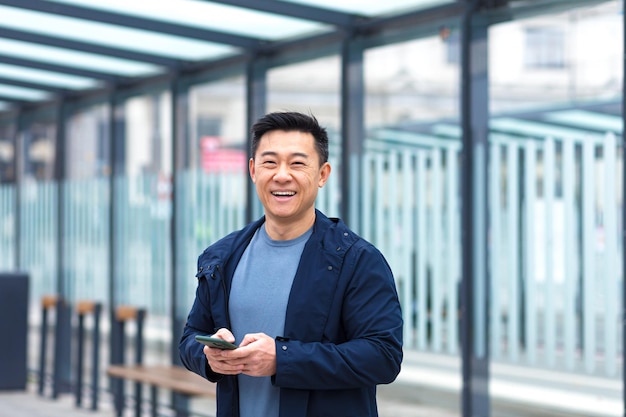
[(226, 368), (225, 334)]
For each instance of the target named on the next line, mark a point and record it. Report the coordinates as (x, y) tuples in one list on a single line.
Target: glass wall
[(7, 198), (142, 209), (211, 193), (313, 87), (556, 169), (86, 200), (410, 183), (38, 207)]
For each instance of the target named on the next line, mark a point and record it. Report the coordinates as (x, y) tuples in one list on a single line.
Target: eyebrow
[(295, 154)]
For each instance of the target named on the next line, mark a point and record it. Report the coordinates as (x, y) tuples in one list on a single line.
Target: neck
[(283, 230)]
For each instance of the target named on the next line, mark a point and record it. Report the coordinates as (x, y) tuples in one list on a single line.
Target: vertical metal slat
[(530, 316), (588, 242)]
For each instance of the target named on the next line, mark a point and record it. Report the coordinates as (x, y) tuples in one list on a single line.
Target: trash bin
[(14, 330)]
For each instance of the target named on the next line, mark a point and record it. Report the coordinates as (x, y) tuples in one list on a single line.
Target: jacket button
[(330, 268), (284, 347)]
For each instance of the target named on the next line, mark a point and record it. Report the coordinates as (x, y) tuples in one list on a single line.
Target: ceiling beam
[(13, 100), (32, 85), (299, 11), (87, 47), (135, 22), (63, 69)]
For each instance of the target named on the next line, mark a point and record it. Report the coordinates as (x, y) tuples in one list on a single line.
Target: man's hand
[(260, 350), (255, 356)]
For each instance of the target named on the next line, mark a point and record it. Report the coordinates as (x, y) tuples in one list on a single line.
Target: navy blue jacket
[(343, 326)]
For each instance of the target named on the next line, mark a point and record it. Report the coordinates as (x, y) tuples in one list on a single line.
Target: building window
[(452, 39), (545, 48)]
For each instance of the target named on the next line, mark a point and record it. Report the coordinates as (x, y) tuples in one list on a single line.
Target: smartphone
[(215, 342)]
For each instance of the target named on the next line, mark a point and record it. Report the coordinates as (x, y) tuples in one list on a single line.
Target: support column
[(256, 107), (18, 176), (352, 130), (59, 177), (623, 209), (474, 221), (116, 161), (63, 331), (180, 161)]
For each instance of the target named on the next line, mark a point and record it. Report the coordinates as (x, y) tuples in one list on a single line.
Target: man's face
[(287, 174)]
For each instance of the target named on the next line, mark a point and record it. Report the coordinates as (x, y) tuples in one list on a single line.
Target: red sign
[(216, 159)]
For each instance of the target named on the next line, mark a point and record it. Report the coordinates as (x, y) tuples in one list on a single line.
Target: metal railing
[(555, 264)]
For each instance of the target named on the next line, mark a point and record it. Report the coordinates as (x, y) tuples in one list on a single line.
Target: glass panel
[(556, 189), (410, 182), (86, 203), (198, 13), (7, 154), (38, 209), (142, 209), (7, 199), (21, 93), (313, 87), (111, 35), (83, 60), (374, 7), (87, 144), (211, 194), (38, 145), (46, 77)]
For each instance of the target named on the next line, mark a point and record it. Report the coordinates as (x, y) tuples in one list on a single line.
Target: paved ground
[(428, 386), (30, 404)]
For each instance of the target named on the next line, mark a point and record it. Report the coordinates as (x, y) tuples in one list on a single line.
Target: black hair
[(289, 122)]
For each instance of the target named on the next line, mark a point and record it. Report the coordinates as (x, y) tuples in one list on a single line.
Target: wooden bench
[(175, 378)]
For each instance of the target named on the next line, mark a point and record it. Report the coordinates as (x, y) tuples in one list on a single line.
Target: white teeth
[(283, 193)]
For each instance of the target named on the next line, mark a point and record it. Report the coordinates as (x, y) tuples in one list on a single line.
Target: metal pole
[(474, 221), (352, 129), (63, 334), (623, 209), (179, 145), (180, 148), (18, 164), (256, 106), (59, 177)]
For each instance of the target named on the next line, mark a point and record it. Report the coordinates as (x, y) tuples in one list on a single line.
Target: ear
[(252, 170), (324, 174)]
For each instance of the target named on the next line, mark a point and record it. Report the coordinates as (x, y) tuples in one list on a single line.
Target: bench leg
[(180, 404), (80, 360), (117, 388), (42, 350), (95, 359), (117, 357), (138, 399), (62, 369), (154, 402)]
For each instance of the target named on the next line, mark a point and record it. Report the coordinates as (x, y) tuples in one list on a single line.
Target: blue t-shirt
[(258, 303)]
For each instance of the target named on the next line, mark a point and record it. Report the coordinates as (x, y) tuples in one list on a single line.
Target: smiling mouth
[(283, 193)]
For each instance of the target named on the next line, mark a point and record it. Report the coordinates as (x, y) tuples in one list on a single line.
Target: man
[(312, 306)]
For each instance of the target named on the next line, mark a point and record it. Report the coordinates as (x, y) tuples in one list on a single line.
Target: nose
[(282, 173)]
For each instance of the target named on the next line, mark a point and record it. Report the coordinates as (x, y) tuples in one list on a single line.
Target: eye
[(268, 162)]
